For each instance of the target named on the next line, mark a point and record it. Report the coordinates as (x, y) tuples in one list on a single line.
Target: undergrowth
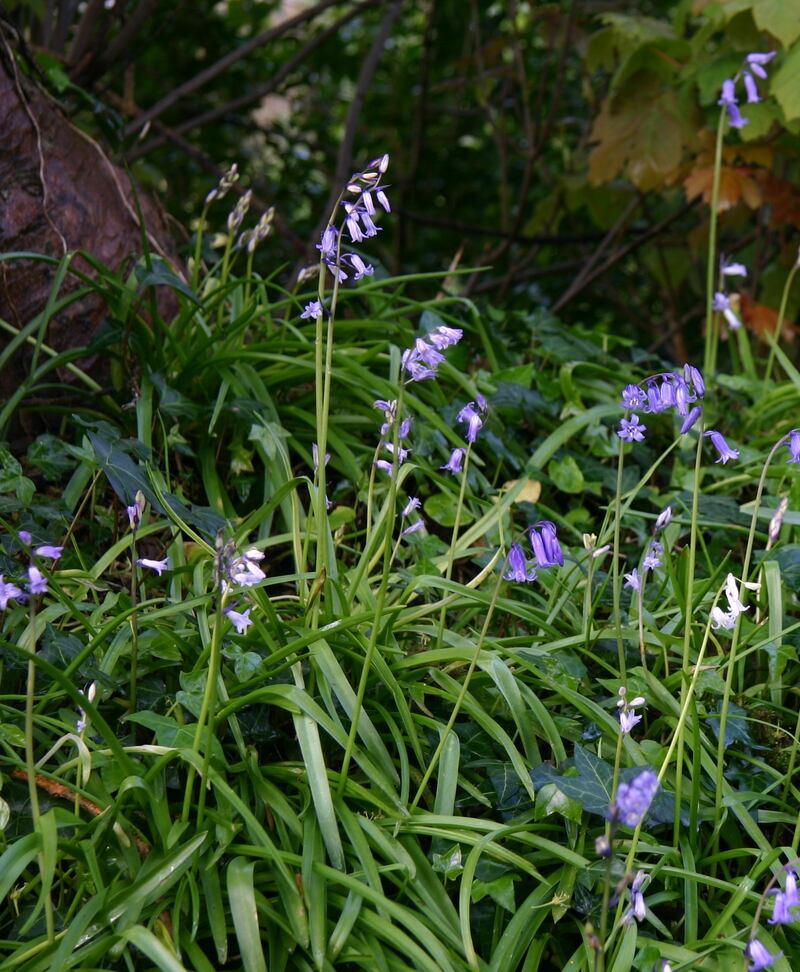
[(316, 684)]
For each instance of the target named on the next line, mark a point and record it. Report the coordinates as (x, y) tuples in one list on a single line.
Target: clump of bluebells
[(754, 66), (363, 191), (660, 393)]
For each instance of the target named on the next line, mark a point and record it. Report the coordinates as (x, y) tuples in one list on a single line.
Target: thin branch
[(222, 65), (622, 252), (255, 93)]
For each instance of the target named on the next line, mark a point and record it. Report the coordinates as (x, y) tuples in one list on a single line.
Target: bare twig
[(621, 253), (222, 65), (253, 94)]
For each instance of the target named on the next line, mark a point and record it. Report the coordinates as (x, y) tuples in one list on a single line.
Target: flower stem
[(773, 344), (452, 552), (712, 319), (30, 766), (205, 720), (616, 553), (687, 623), (461, 695), (726, 696)]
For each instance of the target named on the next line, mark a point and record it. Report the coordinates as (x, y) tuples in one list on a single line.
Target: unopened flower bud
[(776, 522)]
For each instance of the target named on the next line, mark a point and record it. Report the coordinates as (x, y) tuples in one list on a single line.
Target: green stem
[(616, 553), (452, 551), (206, 714), (712, 319), (134, 628), (726, 696), (687, 620), (380, 599), (30, 765), (609, 834), (779, 325), (461, 695)]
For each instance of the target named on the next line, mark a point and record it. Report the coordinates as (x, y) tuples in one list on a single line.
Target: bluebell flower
[(413, 528), (518, 569), (638, 908), (652, 560), (422, 360), (628, 718), (444, 337), (312, 311), (793, 445), (49, 551), (136, 510), (546, 548), (240, 620), (328, 242), (722, 304), (37, 582), (633, 397), (634, 799), (473, 417), (729, 101), (759, 957), (663, 519), (730, 269), (405, 428), (244, 570), (757, 61), (722, 447), (8, 592), (631, 430), (361, 269), (691, 419), (694, 377), (633, 580), (653, 397), (786, 901), (453, 464), (412, 504)]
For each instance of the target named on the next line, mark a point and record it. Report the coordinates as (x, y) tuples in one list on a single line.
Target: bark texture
[(59, 192)]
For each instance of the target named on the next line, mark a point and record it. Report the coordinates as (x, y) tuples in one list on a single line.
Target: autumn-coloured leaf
[(783, 199), (763, 320), (529, 493), (644, 138), (735, 185)]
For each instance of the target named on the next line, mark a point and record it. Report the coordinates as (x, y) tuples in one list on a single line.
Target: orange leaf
[(763, 320)]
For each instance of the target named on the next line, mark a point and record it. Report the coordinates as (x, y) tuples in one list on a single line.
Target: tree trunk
[(59, 193)]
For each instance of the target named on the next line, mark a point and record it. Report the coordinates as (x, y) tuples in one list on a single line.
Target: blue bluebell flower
[(631, 430), (638, 908), (518, 569), (722, 304), (37, 582), (634, 799), (695, 378), (545, 545), (729, 101), (691, 419), (239, 619), (793, 445), (722, 447), (633, 580), (453, 464), (786, 902), (474, 417), (759, 957), (8, 592), (728, 268), (633, 397)]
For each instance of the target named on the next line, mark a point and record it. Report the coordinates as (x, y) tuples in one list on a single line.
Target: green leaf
[(566, 474), (242, 898), (785, 85), (501, 890), (781, 18), (441, 508), (153, 948), (48, 453)]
